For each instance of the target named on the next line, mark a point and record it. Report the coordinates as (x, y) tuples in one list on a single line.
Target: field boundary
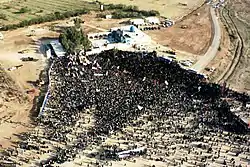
[(188, 14), (48, 91), (238, 53)]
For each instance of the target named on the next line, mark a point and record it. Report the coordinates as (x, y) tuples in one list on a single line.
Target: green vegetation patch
[(3, 16), (74, 39), (123, 11), (23, 10)]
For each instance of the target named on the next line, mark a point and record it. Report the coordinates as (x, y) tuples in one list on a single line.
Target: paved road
[(212, 50)]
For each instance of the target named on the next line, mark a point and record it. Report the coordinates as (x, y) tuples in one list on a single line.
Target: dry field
[(37, 8), (238, 17), (240, 79), (194, 39), (168, 8), (15, 104)]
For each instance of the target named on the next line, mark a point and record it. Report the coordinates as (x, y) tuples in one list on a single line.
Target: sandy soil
[(170, 8), (240, 78), (15, 114), (103, 23), (195, 38)]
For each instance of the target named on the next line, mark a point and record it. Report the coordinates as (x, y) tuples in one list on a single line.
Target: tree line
[(46, 18), (118, 11), (127, 11)]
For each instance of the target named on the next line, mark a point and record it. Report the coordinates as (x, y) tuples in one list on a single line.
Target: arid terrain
[(34, 8), (240, 78), (18, 83), (236, 74), (168, 8), (192, 35)]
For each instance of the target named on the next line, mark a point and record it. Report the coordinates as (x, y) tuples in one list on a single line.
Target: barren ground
[(195, 38), (240, 78), (168, 8), (15, 111)]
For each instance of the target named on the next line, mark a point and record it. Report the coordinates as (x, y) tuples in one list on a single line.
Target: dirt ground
[(102, 23), (168, 8), (194, 39), (240, 78), (15, 111)]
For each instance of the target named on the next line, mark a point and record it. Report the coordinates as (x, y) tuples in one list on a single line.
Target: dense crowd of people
[(119, 87)]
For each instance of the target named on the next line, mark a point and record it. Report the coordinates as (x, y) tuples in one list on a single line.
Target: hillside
[(13, 110), (9, 91)]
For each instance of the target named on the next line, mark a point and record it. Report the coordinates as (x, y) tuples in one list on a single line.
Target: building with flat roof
[(118, 37)]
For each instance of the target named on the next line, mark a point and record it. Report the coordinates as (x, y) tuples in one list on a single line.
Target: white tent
[(153, 20), (137, 22)]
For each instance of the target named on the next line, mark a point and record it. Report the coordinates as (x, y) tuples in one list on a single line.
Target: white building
[(153, 20), (137, 22)]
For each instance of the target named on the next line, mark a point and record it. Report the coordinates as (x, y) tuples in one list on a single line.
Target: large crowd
[(120, 87)]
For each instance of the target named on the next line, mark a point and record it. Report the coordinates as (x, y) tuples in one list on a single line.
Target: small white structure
[(58, 48), (101, 7), (48, 53), (153, 20), (137, 22), (1, 36), (108, 16)]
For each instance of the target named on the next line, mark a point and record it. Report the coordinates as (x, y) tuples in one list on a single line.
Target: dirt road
[(211, 52)]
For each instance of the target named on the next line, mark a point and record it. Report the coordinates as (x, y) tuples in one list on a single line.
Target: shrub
[(7, 7), (23, 10), (219, 48), (3, 16), (74, 39)]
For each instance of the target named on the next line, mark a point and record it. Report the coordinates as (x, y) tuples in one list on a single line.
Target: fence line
[(47, 93)]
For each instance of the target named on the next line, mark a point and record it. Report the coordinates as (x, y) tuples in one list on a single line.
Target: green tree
[(77, 23), (74, 40)]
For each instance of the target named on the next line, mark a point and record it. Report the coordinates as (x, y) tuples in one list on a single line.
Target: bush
[(7, 7), (123, 11), (101, 15), (23, 10), (219, 48), (3, 16)]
